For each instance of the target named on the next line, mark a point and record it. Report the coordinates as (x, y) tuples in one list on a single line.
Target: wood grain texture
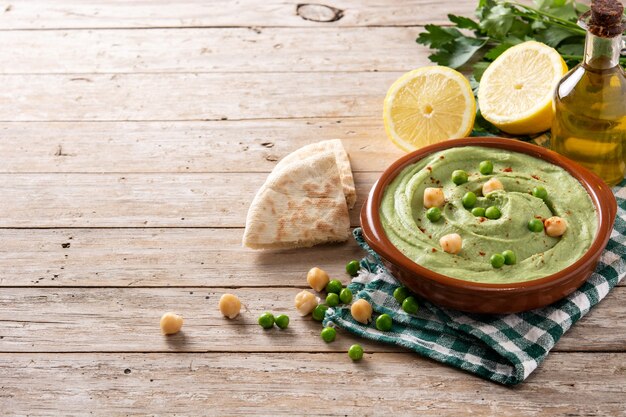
[(203, 96), (319, 385), (219, 146), (127, 320), (234, 50), (159, 258), (41, 14), (137, 200)]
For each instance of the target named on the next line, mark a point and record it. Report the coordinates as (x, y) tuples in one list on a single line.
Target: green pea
[(345, 296), (485, 167), (496, 260), (334, 286), (540, 192), (384, 322), (468, 200), (535, 225), (266, 320), (332, 300), (478, 211), (433, 214), (493, 213), (353, 267), (400, 294), (319, 312), (459, 176), (355, 352), (282, 321), (328, 334), (409, 305), (509, 257)]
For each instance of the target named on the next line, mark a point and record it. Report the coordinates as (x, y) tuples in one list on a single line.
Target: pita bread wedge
[(300, 205), (341, 156)]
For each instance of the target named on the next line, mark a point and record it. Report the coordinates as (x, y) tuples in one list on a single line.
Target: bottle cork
[(606, 18)]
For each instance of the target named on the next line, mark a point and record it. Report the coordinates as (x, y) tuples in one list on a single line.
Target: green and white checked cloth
[(501, 348)]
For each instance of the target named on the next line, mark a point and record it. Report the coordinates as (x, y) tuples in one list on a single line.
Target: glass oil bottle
[(590, 101)]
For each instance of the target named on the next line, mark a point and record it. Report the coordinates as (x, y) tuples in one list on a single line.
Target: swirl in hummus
[(403, 215)]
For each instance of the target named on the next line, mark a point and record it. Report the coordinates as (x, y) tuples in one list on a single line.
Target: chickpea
[(305, 302), (555, 226), (451, 243), (492, 185), (317, 278), (230, 306), (171, 323), (434, 197), (361, 311)]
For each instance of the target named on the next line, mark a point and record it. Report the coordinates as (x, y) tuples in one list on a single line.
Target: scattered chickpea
[(171, 323), (555, 226), (317, 278), (492, 185), (361, 311), (434, 197), (230, 306), (305, 302), (451, 243)]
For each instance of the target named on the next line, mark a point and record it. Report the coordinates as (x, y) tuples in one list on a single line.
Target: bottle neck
[(602, 53)]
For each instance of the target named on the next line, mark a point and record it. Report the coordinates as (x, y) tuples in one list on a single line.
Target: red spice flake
[(536, 177), (481, 219), (509, 169), (429, 168), (568, 212), (540, 218), (430, 236), (481, 253), (442, 157), (422, 229), (434, 250)]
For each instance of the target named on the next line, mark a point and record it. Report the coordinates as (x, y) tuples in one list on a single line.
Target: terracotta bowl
[(480, 297)]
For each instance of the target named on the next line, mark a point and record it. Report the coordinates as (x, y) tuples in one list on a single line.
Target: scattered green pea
[(355, 352), (433, 214), (328, 334), (485, 167), (540, 192), (384, 322), (496, 260), (459, 177), (493, 213), (319, 312), (353, 267), (345, 296), (332, 300), (400, 294), (535, 225), (509, 257), (409, 305), (334, 286), (478, 211), (282, 321), (468, 200), (266, 320)]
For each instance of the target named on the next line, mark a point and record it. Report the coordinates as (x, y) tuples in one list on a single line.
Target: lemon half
[(515, 92), (428, 105)]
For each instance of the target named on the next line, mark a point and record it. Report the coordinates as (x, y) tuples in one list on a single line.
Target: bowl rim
[(600, 194)]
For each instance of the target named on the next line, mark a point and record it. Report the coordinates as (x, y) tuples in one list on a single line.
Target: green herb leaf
[(463, 22), (458, 53)]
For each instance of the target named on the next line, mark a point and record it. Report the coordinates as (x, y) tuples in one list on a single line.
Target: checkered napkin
[(501, 348)]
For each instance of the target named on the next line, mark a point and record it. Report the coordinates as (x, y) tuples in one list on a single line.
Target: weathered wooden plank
[(127, 320), (206, 96), (137, 200), (319, 385), (212, 50), (157, 257), (220, 146), (41, 14)]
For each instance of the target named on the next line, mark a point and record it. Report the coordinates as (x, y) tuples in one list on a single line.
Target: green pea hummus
[(404, 219)]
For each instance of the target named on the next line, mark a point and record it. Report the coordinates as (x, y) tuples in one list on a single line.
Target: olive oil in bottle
[(590, 101)]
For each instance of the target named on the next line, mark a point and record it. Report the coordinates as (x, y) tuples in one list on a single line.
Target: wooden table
[(133, 136)]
